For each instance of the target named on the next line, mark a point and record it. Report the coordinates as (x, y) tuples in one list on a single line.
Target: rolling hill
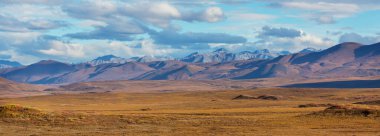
[(342, 60), (9, 64), (12, 89)]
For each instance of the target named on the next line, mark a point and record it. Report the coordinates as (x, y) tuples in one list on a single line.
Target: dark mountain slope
[(38, 71), (342, 60), (102, 72)]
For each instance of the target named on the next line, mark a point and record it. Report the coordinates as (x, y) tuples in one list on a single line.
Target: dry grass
[(351, 110), (192, 113), (15, 111)]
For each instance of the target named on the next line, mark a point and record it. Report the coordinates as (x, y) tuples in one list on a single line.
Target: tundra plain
[(295, 111)]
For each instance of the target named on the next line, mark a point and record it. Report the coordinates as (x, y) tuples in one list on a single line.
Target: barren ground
[(192, 113)]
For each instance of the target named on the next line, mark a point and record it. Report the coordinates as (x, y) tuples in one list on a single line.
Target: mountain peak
[(106, 60), (308, 50), (344, 46), (194, 53), (350, 43), (262, 51), (9, 64), (106, 57), (48, 62), (245, 52), (284, 53), (220, 50), (151, 58)]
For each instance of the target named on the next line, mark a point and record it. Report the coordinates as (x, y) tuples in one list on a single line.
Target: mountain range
[(9, 64), (219, 55), (222, 55), (342, 60)]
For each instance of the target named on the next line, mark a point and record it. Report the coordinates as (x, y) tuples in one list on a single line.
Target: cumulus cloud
[(323, 19), (162, 14), (36, 47), (44, 2), (122, 20), (122, 30), (325, 11), (280, 39), (17, 17), (95, 10), (24, 34), (159, 14), (212, 14), (172, 37), (23, 46), (322, 6), (280, 32), (8, 24), (59, 48), (14, 25), (76, 30), (354, 37)]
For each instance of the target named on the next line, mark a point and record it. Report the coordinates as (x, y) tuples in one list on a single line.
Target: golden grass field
[(192, 113)]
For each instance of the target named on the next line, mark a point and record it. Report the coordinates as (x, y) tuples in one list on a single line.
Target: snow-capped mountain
[(219, 55), (308, 50), (342, 60), (152, 58), (107, 59), (193, 57), (258, 54), (118, 60), (284, 53), (223, 55), (9, 64)]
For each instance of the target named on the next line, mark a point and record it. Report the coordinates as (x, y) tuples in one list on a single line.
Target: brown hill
[(102, 72), (38, 71), (340, 61), (12, 89), (179, 71), (343, 60)]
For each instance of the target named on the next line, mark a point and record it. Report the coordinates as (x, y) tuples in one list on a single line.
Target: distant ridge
[(223, 55), (309, 50), (38, 71), (342, 60), (9, 64)]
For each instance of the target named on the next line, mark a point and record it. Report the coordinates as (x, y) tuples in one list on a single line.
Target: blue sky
[(80, 30)]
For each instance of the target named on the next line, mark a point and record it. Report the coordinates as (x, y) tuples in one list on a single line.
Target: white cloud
[(59, 48), (239, 16), (354, 37), (159, 14), (25, 24), (44, 2), (213, 14), (92, 23), (279, 39), (32, 12), (323, 7), (323, 19), (16, 38), (323, 11)]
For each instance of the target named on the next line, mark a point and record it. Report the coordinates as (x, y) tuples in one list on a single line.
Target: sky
[(80, 30)]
